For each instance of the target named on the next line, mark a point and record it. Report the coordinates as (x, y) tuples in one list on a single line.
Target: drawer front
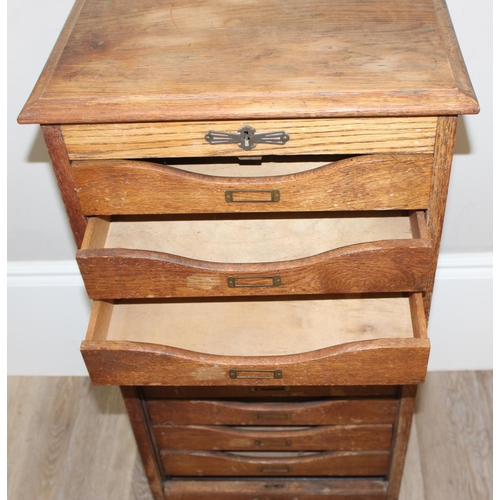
[(373, 182), (189, 463), (277, 489), (131, 260), (333, 412), (258, 393), (320, 438), (309, 136), (130, 350)]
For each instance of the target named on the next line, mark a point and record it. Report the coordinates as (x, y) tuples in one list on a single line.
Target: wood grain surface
[(62, 442), (307, 136), (378, 182), (317, 438), (327, 463), (157, 61), (333, 412)]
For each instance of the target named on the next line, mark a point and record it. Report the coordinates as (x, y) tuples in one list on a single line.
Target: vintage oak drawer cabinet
[(257, 192)]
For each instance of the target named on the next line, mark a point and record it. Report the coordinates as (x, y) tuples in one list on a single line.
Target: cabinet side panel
[(443, 157), (61, 164)]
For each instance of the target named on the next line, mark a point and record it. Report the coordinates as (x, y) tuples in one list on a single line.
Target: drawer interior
[(161, 258), (241, 328), (256, 240)]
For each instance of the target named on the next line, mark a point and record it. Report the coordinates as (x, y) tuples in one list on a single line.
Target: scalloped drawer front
[(201, 463), (372, 182), (363, 341), (335, 411), (161, 259), (318, 438)]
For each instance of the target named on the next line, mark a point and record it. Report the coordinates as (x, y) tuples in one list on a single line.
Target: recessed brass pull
[(253, 281), (252, 195), (275, 469), (269, 389), (255, 374), (273, 442), (274, 416)]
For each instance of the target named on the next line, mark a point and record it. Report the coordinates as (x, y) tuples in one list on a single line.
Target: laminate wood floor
[(68, 440)]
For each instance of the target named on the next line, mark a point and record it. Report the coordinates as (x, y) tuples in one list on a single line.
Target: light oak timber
[(338, 438), (391, 58), (457, 62), (443, 158), (131, 83), (335, 411), (181, 139), (134, 363), (396, 182)]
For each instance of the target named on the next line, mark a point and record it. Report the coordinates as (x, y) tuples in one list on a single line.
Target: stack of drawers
[(260, 242), (328, 436)]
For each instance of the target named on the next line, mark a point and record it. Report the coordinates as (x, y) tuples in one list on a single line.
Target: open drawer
[(327, 341), (344, 253)]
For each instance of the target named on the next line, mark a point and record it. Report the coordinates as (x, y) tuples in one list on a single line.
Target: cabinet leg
[(139, 419)]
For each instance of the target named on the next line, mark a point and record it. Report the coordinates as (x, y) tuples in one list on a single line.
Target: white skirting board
[(48, 311)]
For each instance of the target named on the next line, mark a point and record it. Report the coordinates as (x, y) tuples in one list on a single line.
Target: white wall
[(41, 270)]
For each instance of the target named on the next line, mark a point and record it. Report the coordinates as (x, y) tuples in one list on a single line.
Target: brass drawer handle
[(253, 281), (246, 138), (275, 469), (255, 374), (273, 442), (252, 195)]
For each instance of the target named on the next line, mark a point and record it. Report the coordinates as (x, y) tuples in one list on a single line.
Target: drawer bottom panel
[(276, 489), (254, 464)]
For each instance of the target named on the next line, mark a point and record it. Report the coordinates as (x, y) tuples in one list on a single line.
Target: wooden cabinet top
[(164, 60)]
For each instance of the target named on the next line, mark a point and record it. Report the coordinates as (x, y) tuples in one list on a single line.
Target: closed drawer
[(333, 437), (330, 412), (261, 392), (327, 341), (305, 136), (375, 252), (369, 182), (277, 489), (331, 463)]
